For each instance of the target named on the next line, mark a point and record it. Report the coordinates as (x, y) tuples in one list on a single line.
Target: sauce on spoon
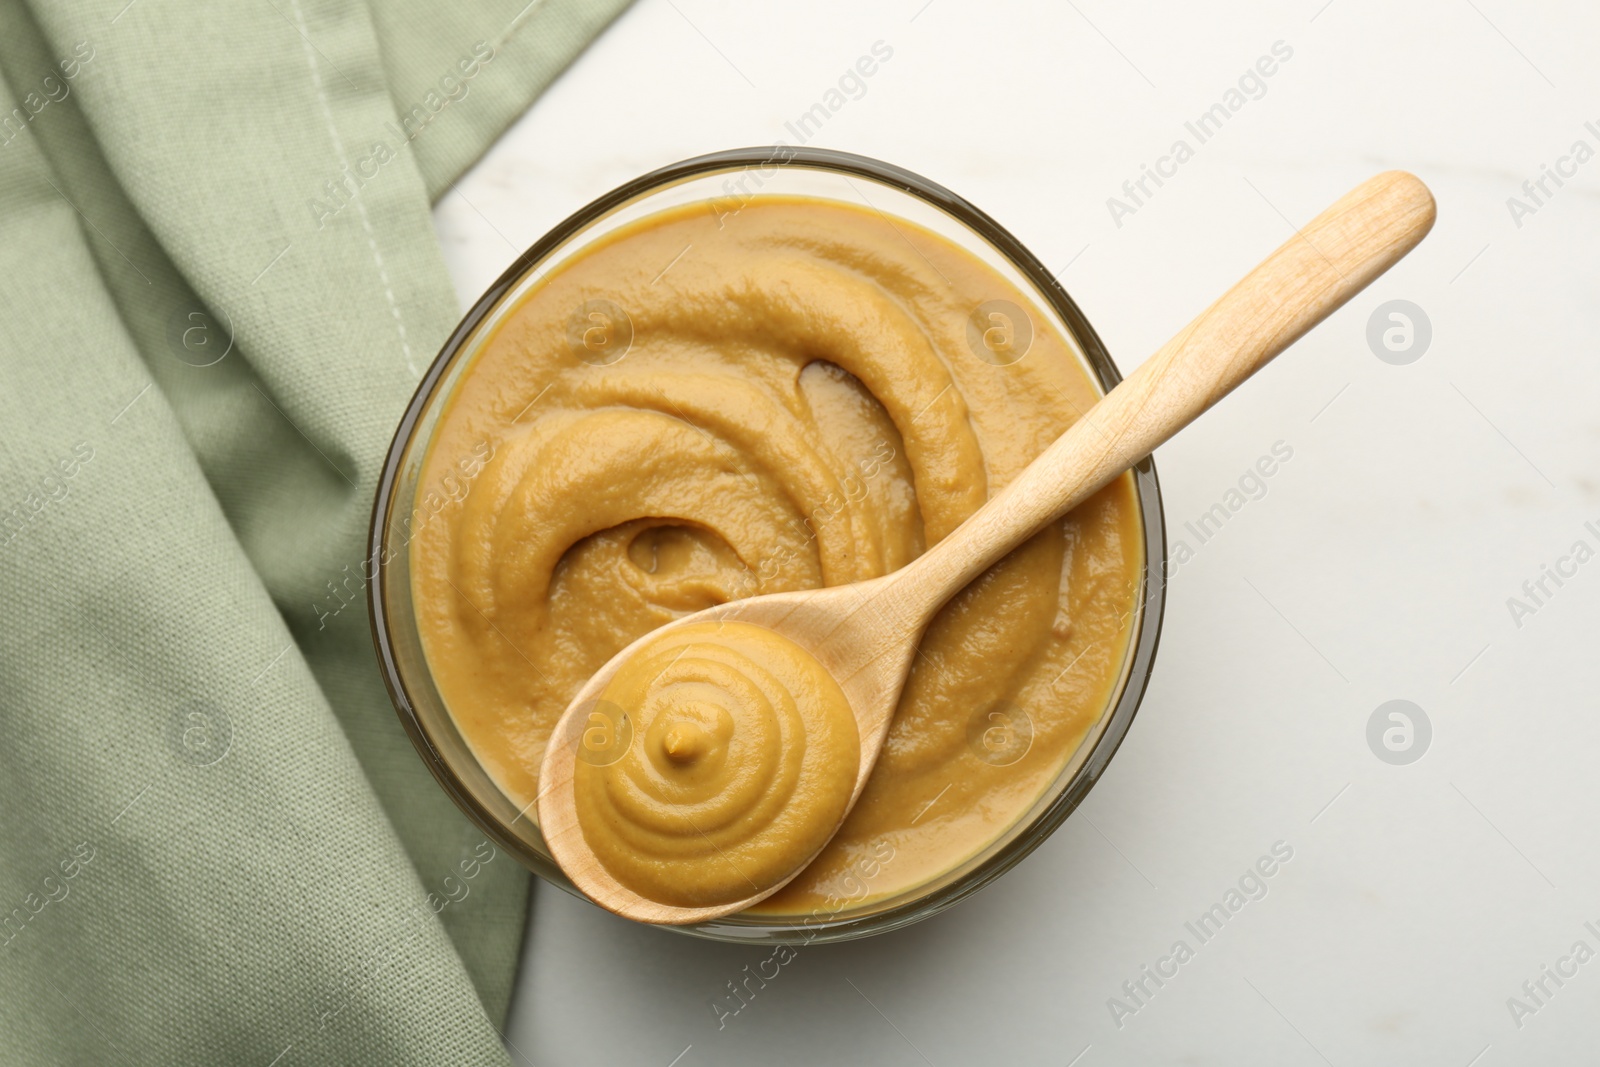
[(735, 765)]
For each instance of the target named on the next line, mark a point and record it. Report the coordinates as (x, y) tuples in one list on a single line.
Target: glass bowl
[(723, 179)]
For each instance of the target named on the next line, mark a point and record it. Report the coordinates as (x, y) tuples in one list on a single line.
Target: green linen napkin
[(219, 284)]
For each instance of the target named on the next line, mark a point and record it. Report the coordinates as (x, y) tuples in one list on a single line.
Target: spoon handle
[(1334, 257)]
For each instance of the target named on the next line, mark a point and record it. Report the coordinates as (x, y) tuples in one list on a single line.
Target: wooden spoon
[(866, 633)]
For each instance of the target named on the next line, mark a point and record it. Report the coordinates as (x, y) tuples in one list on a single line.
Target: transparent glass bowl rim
[(1139, 658)]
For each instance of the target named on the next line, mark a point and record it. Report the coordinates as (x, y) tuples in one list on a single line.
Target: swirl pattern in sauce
[(701, 407), (742, 758)]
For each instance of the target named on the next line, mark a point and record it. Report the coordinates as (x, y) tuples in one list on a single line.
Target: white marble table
[(1378, 566)]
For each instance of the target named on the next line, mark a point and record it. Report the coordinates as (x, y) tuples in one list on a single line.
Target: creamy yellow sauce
[(741, 757), (704, 406)]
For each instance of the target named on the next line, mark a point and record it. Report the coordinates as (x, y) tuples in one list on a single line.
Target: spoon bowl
[(813, 619)]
